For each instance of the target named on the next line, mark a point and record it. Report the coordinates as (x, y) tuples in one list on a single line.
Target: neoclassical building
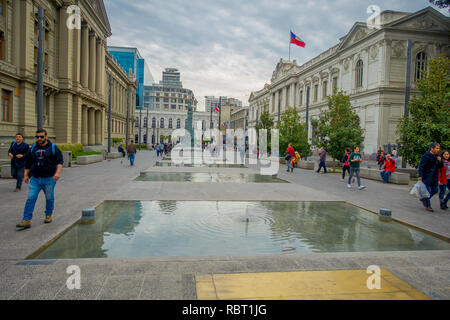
[(76, 69), (369, 64)]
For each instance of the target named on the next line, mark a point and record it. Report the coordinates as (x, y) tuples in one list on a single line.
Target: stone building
[(239, 119), (75, 72), (369, 64)]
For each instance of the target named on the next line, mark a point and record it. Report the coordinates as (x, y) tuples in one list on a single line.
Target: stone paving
[(174, 277)]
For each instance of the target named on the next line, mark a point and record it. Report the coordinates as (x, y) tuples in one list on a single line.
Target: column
[(91, 127), (98, 127), (84, 126), (92, 60), (292, 95), (100, 68), (84, 56)]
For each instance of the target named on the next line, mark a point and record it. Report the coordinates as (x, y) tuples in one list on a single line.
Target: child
[(345, 163)]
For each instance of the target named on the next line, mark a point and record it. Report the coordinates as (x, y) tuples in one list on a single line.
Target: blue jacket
[(16, 149), (428, 169)]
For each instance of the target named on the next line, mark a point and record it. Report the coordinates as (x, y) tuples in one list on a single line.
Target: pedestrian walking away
[(18, 152), (429, 166), (444, 180), (43, 164), (131, 150), (389, 168), (345, 163), (290, 154), (323, 158), (355, 163)]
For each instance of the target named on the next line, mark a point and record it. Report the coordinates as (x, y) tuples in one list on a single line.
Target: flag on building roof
[(217, 108), (296, 40)]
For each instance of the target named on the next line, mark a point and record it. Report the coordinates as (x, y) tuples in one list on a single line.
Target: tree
[(441, 3), (429, 114), (338, 127), (292, 130)]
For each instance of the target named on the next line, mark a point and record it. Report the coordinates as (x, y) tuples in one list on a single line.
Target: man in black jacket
[(428, 173), (44, 162), (18, 153)]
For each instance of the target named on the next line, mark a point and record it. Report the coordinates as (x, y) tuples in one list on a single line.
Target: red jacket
[(291, 151), (443, 175), (390, 165)]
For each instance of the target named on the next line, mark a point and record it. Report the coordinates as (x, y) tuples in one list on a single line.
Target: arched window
[(186, 123), (421, 65), (359, 73), (153, 122), (178, 123), (170, 123), (161, 123)]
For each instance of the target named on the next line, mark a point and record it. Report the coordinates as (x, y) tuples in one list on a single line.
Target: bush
[(117, 140), (75, 148)]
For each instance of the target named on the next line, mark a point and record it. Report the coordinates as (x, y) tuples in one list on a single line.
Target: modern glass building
[(131, 59)]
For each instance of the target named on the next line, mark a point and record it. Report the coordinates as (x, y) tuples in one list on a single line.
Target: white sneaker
[(349, 186), (342, 179), (361, 187)]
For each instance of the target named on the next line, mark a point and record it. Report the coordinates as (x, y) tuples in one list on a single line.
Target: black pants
[(345, 168)]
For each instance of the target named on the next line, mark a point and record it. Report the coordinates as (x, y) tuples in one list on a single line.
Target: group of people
[(163, 148), (131, 151), (292, 158)]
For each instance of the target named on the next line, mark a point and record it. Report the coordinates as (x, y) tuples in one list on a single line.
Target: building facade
[(369, 65), (239, 119), (75, 71)]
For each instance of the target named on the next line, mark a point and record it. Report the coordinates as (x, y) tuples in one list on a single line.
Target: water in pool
[(216, 228), (170, 164), (208, 177)]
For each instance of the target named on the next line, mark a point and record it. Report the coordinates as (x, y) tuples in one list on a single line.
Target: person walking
[(429, 173), (389, 168), (18, 152), (444, 180), (131, 150), (345, 163), (322, 157), (290, 154), (44, 162), (355, 163)]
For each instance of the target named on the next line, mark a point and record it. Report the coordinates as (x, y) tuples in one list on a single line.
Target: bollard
[(88, 216), (385, 215)]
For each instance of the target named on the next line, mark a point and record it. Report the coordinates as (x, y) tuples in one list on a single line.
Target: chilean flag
[(296, 40), (217, 108)]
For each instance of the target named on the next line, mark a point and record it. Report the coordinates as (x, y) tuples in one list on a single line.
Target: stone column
[(100, 68), (76, 118), (98, 127), (84, 56), (92, 60), (91, 121), (84, 126)]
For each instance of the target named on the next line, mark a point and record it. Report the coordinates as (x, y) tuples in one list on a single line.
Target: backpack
[(53, 149)]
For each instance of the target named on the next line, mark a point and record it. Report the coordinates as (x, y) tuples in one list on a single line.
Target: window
[(157, 99), (421, 65), (5, 110), (2, 40), (287, 97), (324, 89), (204, 125), (316, 92), (35, 58), (161, 123), (335, 79), (178, 123), (301, 97), (153, 122), (166, 107), (211, 125), (170, 123), (145, 122), (2, 7), (180, 101), (46, 63), (359, 73), (166, 99)]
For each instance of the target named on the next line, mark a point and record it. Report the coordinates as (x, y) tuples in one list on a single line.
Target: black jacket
[(428, 169), (16, 149), (42, 162)]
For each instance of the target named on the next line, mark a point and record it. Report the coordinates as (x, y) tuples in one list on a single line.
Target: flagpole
[(290, 31)]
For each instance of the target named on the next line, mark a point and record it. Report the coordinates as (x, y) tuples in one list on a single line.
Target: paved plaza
[(408, 274)]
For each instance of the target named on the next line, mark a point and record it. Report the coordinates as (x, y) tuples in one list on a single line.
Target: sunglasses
[(39, 137)]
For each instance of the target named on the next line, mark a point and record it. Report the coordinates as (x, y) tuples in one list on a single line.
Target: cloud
[(231, 47)]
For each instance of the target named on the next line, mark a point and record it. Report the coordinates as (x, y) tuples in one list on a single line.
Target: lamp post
[(40, 69), (109, 114), (128, 117)]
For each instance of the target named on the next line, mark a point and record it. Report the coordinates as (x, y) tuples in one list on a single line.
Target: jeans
[(322, 165), (132, 157), (352, 171), (442, 189), (344, 169), (36, 185), (432, 190), (385, 175), (18, 174)]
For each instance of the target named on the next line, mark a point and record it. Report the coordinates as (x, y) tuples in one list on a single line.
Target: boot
[(24, 224)]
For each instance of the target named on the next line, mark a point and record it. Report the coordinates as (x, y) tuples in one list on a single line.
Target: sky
[(231, 47)]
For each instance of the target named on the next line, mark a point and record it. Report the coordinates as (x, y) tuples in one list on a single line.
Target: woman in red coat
[(291, 152)]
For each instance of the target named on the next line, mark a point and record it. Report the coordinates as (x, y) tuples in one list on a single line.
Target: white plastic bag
[(420, 190)]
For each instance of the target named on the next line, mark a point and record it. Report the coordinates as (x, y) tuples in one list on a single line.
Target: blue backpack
[(53, 149)]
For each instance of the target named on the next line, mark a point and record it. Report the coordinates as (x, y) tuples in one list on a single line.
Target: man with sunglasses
[(44, 164)]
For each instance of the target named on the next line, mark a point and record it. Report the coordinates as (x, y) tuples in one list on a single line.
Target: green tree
[(429, 114), (292, 130), (338, 127)]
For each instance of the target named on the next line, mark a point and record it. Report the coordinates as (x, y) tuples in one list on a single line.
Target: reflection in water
[(198, 228), (208, 177), (218, 165)]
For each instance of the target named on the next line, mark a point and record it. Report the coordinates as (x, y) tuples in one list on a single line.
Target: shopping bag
[(420, 190)]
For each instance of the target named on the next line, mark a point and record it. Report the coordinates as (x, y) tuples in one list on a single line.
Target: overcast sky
[(231, 47)]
